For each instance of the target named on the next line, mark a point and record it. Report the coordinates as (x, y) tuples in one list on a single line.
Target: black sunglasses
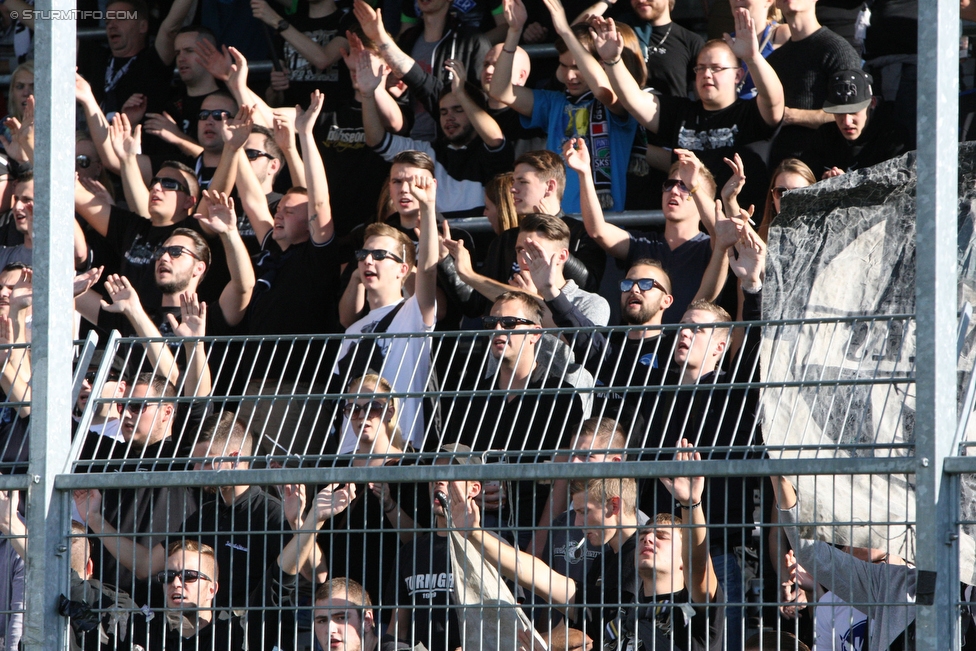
[(507, 322), (216, 114), (112, 376), (254, 154), (167, 183), (370, 408), (186, 576), (670, 184), (645, 284), (175, 251), (779, 190), (378, 255), (83, 161)]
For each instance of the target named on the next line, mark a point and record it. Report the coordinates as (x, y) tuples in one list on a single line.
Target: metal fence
[(330, 486)]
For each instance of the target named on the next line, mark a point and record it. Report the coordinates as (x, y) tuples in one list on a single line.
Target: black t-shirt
[(685, 266), (304, 77), (893, 29), (114, 80), (613, 583), (670, 52), (135, 238), (662, 622), (236, 533), (425, 587), (224, 632), (636, 363), (714, 135)]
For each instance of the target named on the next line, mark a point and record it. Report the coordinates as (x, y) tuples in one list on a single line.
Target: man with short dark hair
[(864, 132), (344, 619)]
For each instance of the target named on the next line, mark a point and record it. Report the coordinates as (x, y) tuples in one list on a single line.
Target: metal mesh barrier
[(245, 502)]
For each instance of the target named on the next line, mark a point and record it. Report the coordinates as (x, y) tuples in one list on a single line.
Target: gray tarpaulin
[(846, 247)]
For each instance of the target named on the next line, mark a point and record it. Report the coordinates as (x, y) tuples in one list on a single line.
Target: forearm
[(612, 239), (225, 176), (198, 382), (187, 145), (134, 188), (98, 130), (159, 355), (130, 554), (351, 303), (299, 549), (769, 90), (501, 87), (237, 294), (483, 124), (389, 111), (253, 200), (16, 535), (80, 246), (398, 61), (716, 273), (15, 379), (319, 207), (296, 167), (372, 125), (811, 119), (318, 56), (643, 106), (706, 207)]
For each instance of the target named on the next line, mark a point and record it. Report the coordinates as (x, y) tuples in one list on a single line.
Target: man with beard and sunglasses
[(181, 264)]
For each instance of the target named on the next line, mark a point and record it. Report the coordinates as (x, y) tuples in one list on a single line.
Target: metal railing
[(831, 391)]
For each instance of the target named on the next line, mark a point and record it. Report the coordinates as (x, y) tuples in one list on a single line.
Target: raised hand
[(577, 156), (515, 14), (744, 44), (732, 187), (465, 513), (607, 39), (369, 73), (125, 141), (542, 268), (305, 120), (23, 294), (371, 20), (689, 168), (89, 502), (686, 490), (748, 258), (237, 76), (424, 190), (83, 91), (193, 317), (237, 130), (458, 75), (382, 492), (125, 299), (221, 218), (534, 33), (281, 79), (163, 126), (12, 145), (284, 130), (333, 500), (98, 189), (728, 230), (831, 173), (263, 12), (462, 257), (216, 62), (293, 504), (559, 20), (135, 107), (85, 281)]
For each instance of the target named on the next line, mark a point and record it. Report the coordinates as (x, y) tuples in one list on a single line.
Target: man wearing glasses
[(189, 585), (216, 108), (388, 272), (521, 424), (716, 125)]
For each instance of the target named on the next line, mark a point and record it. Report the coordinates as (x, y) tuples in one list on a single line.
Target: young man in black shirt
[(344, 619), (864, 132)]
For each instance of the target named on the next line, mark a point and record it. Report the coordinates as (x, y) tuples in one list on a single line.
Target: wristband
[(694, 189), (392, 508), (691, 506), (282, 25), (612, 63), (510, 51)]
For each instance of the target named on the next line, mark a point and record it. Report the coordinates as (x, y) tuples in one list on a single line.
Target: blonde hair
[(599, 491), (499, 192), (788, 166), (15, 110)]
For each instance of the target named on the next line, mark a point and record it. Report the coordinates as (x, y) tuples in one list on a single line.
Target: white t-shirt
[(840, 627), (406, 366)]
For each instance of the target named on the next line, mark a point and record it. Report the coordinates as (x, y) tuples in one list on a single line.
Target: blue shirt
[(552, 111)]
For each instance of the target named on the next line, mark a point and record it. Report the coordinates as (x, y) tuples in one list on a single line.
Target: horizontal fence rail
[(561, 522)]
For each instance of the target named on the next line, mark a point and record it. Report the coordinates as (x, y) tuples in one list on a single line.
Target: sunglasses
[(671, 184), (216, 114), (83, 161), (174, 251), (377, 254), (90, 376), (136, 408), (185, 576), (645, 284), (779, 190), (373, 407), (167, 183), (506, 322), (254, 154)]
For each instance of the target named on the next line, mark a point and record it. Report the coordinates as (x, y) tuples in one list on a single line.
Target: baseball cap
[(848, 91)]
